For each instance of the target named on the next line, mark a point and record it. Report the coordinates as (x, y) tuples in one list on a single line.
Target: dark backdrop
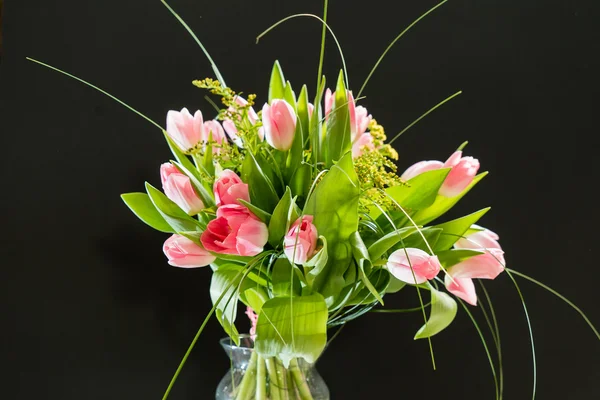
[(90, 308)]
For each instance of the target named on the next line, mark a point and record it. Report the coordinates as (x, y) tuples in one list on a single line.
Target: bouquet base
[(254, 377)]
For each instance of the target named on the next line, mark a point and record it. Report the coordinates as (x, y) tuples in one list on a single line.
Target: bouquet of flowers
[(296, 205)]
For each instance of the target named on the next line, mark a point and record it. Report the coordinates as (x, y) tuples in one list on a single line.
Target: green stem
[(246, 390), (289, 385), (261, 379), (300, 380), (275, 381)]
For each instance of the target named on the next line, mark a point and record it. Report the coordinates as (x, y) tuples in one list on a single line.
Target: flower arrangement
[(302, 216)]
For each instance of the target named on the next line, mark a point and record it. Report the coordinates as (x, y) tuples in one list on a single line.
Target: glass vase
[(253, 377)]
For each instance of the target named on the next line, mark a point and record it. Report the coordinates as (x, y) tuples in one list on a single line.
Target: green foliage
[(421, 191), (172, 214), (443, 311), (141, 205), (285, 278), (338, 139), (448, 258), (262, 189), (455, 229), (277, 83), (334, 205), (282, 218), (291, 327)]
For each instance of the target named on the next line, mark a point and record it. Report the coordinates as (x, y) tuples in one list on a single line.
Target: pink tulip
[(420, 167), (459, 278), (242, 102), (235, 231), (362, 142), (184, 130), (363, 119), (232, 132), (311, 109), (214, 131), (422, 265), (300, 243), (253, 321), (481, 240), (279, 121), (329, 100), (179, 189), (184, 253), (228, 188), (460, 176)]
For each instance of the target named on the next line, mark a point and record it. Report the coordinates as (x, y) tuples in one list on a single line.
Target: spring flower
[(461, 175), (253, 320), (463, 170), (279, 121), (228, 188), (179, 189), (459, 278), (232, 132), (362, 142), (300, 243), (214, 131), (184, 253), (235, 231), (403, 263), (485, 239), (185, 130)]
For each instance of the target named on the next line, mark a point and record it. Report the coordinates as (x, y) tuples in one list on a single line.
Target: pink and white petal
[(485, 266), (251, 237), (405, 274), (420, 167), (462, 288)]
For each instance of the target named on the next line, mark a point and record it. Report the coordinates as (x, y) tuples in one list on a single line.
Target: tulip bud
[(185, 130), (184, 253), (279, 122), (300, 243), (214, 132), (228, 188), (179, 189), (413, 265), (463, 171)]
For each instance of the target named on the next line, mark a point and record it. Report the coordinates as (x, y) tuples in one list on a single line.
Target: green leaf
[(415, 240), (361, 256), (255, 297), (292, 327), (289, 96), (295, 155), (301, 181), (280, 220), (379, 280), (277, 83), (262, 191), (315, 127), (317, 263), (257, 276), (338, 137), (443, 311), (227, 279), (282, 277), (141, 205), (173, 215), (395, 285), (382, 245), (442, 204), (448, 258), (334, 205), (261, 214), (421, 191), (455, 229)]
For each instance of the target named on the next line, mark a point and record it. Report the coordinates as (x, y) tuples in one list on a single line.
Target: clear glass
[(252, 377)]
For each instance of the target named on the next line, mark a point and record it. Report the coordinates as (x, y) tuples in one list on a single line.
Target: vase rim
[(228, 343)]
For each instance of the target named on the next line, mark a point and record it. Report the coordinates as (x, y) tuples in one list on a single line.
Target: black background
[(90, 308)]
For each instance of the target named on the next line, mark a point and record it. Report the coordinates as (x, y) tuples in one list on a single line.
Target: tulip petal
[(420, 167), (462, 287), (251, 237)]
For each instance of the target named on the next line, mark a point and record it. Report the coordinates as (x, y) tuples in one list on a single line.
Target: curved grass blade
[(497, 336), (394, 42), (191, 346), (398, 310), (447, 99), (530, 332), (98, 89), (325, 26), (560, 296), (187, 28), (487, 351)]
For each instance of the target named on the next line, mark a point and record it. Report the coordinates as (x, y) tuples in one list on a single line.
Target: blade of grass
[(98, 89), (187, 28), (394, 42), (447, 99), (497, 335), (560, 296)]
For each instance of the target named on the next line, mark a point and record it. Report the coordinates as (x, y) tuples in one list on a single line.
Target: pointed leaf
[(455, 229), (443, 311), (420, 191), (277, 84), (452, 257), (280, 222), (261, 214), (141, 205), (262, 191), (338, 137), (292, 327), (175, 216), (317, 263), (381, 246)]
